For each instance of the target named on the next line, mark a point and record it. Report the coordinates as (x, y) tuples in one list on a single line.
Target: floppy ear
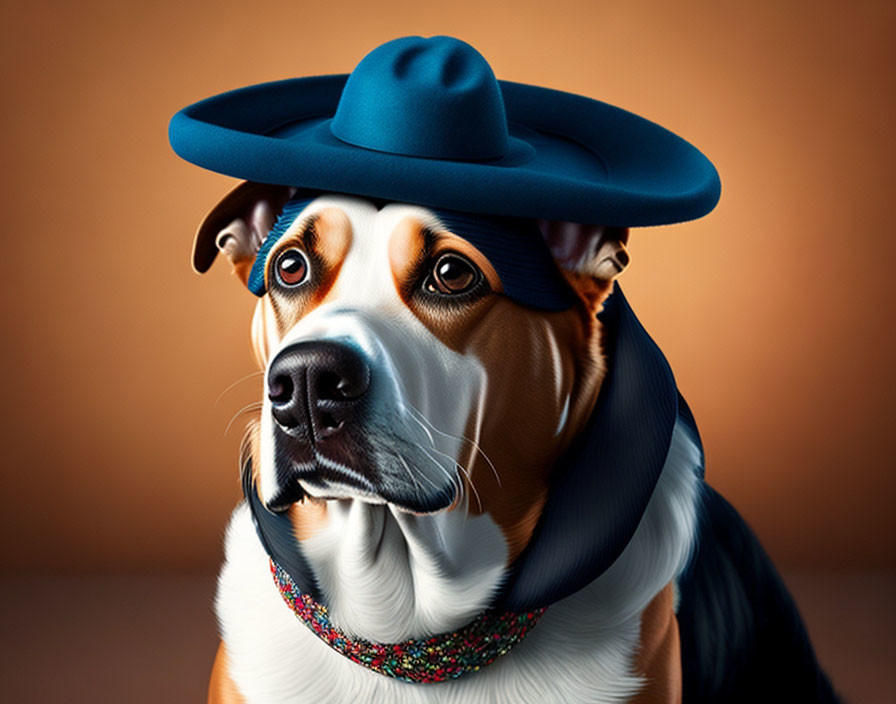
[(591, 256), (238, 225)]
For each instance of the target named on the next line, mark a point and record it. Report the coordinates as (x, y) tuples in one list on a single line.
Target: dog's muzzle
[(318, 391)]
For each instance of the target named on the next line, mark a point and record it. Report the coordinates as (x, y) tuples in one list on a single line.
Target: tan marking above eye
[(327, 233), (407, 250), (333, 232), (329, 241), (406, 247)]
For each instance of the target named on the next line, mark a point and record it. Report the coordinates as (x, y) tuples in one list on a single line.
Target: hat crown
[(435, 98)]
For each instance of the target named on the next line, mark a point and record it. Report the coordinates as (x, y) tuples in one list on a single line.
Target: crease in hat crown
[(435, 97)]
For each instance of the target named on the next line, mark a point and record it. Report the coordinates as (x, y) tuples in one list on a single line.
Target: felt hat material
[(425, 121)]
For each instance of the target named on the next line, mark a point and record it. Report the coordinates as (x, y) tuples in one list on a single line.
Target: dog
[(417, 401), (472, 477)]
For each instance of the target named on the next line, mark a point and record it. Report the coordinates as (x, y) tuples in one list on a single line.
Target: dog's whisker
[(456, 481), (465, 471), (462, 469), (454, 478), (234, 384), (433, 460), (418, 488), (425, 429), (459, 493), (255, 406), (453, 437), (245, 448), (472, 486)]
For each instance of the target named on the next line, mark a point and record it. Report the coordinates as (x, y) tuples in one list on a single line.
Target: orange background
[(775, 310)]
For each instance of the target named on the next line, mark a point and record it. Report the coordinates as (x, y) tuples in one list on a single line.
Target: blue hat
[(425, 121)]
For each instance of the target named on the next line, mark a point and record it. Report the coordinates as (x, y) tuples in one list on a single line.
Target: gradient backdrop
[(775, 311)]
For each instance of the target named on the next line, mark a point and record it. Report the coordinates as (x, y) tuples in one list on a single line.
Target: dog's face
[(397, 368)]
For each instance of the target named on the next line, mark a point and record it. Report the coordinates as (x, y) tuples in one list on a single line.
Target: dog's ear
[(238, 225), (591, 256)]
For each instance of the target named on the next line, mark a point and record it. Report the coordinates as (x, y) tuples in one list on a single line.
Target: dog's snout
[(316, 386)]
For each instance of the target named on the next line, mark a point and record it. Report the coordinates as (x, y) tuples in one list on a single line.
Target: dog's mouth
[(323, 479)]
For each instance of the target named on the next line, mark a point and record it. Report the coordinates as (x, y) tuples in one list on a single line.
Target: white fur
[(388, 575), (582, 649)]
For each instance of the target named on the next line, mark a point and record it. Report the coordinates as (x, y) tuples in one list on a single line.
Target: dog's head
[(400, 364)]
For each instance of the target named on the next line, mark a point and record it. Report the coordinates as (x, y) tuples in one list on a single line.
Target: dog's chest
[(589, 647), (571, 656)]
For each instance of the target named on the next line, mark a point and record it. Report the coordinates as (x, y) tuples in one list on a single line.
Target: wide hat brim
[(570, 158)]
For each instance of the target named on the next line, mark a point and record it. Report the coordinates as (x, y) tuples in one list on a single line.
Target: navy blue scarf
[(602, 486)]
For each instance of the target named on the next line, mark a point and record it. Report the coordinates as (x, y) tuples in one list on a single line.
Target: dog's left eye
[(451, 274), (291, 267)]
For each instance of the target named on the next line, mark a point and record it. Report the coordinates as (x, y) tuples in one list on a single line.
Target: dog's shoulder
[(742, 637)]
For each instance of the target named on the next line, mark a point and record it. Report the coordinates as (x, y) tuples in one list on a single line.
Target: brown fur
[(659, 657), (221, 687), (523, 406), (308, 517), (237, 225)]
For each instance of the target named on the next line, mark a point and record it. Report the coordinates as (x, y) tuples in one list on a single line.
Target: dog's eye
[(291, 267), (451, 274)]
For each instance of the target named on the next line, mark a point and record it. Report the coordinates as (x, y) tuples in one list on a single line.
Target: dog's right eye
[(452, 274), (291, 267)]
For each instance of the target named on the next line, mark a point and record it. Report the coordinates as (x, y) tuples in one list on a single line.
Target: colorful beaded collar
[(433, 659)]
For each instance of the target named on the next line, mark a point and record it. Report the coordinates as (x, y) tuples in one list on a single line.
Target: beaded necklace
[(434, 659)]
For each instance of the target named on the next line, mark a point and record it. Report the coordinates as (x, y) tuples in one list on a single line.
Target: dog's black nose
[(316, 387)]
